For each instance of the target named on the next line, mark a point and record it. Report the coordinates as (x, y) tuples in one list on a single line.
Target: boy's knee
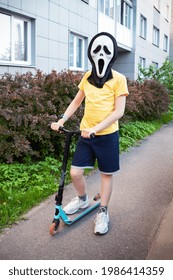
[(106, 176), (76, 173)]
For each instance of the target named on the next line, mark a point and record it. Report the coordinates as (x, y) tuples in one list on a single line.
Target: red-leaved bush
[(146, 101), (29, 103)]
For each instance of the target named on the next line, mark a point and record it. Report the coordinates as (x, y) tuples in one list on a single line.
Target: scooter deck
[(79, 214), (71, 219)]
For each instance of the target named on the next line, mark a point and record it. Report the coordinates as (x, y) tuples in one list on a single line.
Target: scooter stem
[(59, 195)]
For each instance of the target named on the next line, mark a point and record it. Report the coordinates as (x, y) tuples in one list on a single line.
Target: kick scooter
[(59, 212)]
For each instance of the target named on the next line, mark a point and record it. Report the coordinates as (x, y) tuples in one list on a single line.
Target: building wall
[(125, 62), (171, 37), (128, 60), (145, 47), (54, 19)]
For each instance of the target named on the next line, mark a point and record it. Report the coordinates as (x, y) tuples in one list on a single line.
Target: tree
[(164, 74)]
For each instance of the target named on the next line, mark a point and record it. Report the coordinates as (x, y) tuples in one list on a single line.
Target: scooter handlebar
[(62, 129), (92, 135), (77, 132)]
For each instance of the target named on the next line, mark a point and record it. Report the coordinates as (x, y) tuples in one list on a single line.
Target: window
[(76, 52), (155, 64), (124, 10), (157, 4), (143, 27), (15, 48), (165, 43), (156, 35), (118, 8), (86, 1), (107, 7), (167, 13), (142, 62), (101, 6)]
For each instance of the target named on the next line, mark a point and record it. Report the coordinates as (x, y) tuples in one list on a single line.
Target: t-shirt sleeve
[(82, 83), (121, 86)]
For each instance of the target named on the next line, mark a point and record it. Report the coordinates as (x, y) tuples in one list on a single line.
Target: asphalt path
[(143, 190)]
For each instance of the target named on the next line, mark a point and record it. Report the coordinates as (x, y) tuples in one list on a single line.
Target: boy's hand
[(86, 133), (56, 125)]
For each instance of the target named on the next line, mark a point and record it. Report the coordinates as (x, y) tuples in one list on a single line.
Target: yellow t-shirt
[(100, 102)]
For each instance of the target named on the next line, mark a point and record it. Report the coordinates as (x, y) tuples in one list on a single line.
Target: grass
[(23, 186), (132, 132)]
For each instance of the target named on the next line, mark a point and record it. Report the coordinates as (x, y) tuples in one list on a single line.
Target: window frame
[(156, 36), (143, 27), (86, 1), (167, 12), (74, 67), (13, 60), (157, 5), (126, 13), (165, 43), (142, 62), (107, 7), (155, 64)]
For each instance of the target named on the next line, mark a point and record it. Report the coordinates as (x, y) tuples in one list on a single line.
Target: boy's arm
[(118, 112), (74, 105)]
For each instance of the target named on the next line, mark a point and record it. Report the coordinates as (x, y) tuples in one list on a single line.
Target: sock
[(83, 197), (102, 209)]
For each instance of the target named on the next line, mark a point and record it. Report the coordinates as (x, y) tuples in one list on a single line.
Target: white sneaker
[(101, 223), (75, 205)]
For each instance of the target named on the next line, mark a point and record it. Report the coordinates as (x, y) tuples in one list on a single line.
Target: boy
[(105, 92)]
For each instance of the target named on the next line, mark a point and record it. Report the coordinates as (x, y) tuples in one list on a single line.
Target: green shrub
[(164, 74)]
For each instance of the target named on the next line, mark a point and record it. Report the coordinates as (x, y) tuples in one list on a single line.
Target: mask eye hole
[(106, 50), (97, 49)]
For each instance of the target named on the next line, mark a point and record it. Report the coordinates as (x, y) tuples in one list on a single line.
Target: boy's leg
[(78, 180), (106, 188), (81, 201), (80, 184), (102, 220)]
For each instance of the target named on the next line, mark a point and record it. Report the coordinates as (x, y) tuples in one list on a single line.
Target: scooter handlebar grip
[(92, 135), (61, 128)]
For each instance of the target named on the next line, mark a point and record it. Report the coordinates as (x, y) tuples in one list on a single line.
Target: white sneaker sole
[(101, 233)]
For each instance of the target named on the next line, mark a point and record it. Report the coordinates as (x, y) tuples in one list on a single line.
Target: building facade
[(54, 34)]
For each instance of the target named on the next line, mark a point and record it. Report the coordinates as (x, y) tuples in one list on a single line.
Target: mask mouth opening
[(101, 65)]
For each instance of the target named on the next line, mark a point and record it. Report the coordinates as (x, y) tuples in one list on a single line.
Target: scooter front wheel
[(53, 229)]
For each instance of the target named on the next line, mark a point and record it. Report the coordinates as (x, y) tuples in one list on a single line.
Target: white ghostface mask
[(102, 52)]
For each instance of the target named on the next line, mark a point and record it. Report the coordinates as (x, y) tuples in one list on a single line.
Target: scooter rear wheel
[(97, 197), (53, 229)]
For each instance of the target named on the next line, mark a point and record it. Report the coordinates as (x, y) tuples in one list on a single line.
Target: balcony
[(124, 37), (106, 24)]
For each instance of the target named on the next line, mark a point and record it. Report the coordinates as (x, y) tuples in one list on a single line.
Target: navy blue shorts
[(104, 148)]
